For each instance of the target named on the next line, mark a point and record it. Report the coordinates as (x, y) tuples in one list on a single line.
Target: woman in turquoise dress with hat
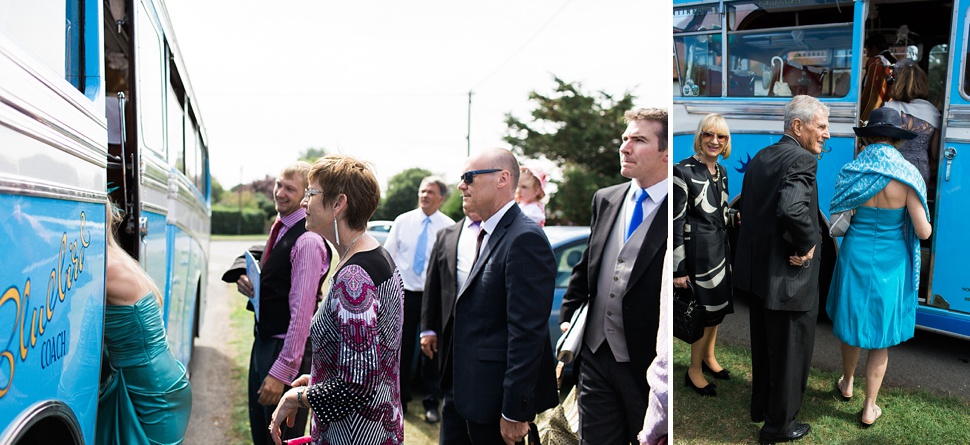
[(872, 299)]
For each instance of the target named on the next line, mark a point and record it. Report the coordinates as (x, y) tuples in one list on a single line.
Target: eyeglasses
[(310, 192), (720, 137), (469, 177)]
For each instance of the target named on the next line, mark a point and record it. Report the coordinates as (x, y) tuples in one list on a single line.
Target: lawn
[(909, 416)]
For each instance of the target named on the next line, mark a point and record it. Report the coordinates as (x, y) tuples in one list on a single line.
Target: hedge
[(228, 221)]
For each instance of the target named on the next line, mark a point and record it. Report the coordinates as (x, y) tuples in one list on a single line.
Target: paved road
[(934, 362), (211, 364)]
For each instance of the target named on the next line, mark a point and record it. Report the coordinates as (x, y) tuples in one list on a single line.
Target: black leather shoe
[(797, 431), (723, 374), (705, 391), (431, 416)]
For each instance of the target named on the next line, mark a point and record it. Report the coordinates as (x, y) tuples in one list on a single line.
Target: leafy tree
[(217, 190), (581, 133), (452, 205), (402, 193), (312, 154)]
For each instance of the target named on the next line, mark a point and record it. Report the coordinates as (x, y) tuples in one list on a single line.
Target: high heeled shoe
[(708, 390), (723, 374)]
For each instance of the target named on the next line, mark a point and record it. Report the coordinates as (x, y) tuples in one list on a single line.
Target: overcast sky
[(388, 81)]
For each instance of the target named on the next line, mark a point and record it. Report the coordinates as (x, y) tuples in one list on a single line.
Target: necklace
[(352, 242), (717, 172)]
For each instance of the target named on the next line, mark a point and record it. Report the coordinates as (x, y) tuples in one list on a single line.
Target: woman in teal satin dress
[(147, 398), (872, 299)]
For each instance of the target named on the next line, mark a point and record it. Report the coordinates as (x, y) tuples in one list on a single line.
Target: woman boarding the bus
[(147, 398), (872, 299)]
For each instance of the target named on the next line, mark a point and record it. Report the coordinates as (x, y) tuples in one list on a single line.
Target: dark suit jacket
[(441, 284), (497, 341), (641, 300), (779, 218)]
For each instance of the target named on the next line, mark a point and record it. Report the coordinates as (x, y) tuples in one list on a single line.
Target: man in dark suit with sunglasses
[(497, 362)]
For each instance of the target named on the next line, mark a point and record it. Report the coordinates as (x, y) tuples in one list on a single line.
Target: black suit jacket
[(641, 300), (441, 284), (779, 218), (496, 347)]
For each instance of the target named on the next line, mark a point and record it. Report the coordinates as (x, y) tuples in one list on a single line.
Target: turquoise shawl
[(868, 174)]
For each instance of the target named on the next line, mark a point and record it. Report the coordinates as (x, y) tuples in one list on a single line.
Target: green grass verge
[(241, 344), (909, 416)]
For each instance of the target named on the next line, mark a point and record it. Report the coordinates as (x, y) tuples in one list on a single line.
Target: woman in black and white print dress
[(701, 248)]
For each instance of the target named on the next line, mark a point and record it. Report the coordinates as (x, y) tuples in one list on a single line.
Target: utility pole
[(239, 188), (468, 136)]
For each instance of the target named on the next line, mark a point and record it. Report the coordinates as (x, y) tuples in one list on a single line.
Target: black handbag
[(688, 315)]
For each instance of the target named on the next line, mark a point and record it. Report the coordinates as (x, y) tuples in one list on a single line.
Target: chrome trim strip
[(154, 208), (41, 189), (762, 110), (66, 94)]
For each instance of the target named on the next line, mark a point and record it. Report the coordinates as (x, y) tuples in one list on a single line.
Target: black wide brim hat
[(884, 122)]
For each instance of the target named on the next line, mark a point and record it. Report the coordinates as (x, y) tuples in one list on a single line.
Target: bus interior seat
[(741, 83), (708, 79), (801, 79)]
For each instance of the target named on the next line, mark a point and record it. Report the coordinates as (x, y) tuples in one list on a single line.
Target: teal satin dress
[(872, 300), (147, 399)]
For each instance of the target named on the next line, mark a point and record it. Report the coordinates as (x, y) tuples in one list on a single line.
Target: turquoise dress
[(147, 399), (872, 299)]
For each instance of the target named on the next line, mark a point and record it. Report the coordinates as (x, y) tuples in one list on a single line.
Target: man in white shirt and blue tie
[(619, 277), (410, 242)]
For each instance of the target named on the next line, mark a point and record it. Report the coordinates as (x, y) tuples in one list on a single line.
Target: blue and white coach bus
[(94, 104), (818, 45)]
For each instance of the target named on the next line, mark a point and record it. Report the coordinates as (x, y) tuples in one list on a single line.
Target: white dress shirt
[(403, 239), (466, 250)]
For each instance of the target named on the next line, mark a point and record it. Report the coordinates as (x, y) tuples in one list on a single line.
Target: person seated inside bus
[(147, 397)]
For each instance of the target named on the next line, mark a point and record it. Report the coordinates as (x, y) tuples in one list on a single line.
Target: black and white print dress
[(701, 248)]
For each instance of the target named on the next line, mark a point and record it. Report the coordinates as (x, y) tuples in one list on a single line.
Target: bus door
[(946, 307)]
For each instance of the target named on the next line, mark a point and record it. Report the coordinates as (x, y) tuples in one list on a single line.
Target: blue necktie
[(637, 214), (421, 247)]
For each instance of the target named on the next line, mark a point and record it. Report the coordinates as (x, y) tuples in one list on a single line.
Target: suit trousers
[(781, 356), (604, 386), (456, 430), (427, 368), (264, 354)]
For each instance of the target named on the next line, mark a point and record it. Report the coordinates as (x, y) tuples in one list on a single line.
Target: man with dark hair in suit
[(779, 236), (293, 266), (619, 277), (496, 356)]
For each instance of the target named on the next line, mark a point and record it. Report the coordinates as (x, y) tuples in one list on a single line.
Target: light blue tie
[(421, 247), (637, 214)]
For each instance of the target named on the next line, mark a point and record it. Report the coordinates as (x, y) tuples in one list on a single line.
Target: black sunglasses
[(469, 177)]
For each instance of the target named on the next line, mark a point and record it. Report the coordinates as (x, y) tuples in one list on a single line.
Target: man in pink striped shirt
[(293, 266)]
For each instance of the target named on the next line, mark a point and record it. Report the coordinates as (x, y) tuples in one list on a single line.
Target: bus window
[(176, 137), (48, 30), (773, 49), (937, 73), (697, 50), (150, 86)]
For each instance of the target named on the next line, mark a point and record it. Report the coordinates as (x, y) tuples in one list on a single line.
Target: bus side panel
[(52, 306), (745, 146), (948, 308)]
